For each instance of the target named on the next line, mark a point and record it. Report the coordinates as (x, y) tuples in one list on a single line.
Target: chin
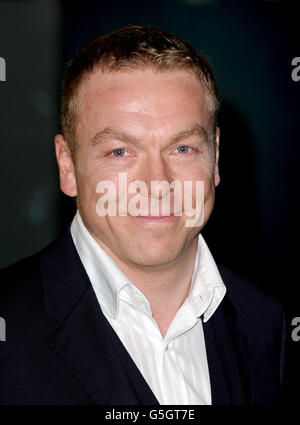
[(153, 255), (151, 261)]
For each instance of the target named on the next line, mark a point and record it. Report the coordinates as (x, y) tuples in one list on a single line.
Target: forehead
[(146, 97)]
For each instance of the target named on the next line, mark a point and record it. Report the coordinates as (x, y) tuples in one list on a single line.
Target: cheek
[(202, 179), (201, 172), (89, 173)]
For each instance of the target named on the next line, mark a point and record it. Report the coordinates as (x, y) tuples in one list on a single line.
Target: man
[(128, 305)]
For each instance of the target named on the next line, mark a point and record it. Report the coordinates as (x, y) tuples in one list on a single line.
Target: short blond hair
[(133, 47)]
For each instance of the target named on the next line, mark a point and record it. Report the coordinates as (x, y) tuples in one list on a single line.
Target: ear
[(216, 170), (66, 167)]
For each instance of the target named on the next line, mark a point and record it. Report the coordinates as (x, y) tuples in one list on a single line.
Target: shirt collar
[(207, 284), (105, 275), (110, 283)]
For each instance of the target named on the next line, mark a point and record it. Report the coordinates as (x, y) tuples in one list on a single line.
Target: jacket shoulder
[(25, 274), (19, 280), (250, 298)]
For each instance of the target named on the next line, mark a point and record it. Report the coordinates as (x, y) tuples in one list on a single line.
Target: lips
[(155, 219), (158, 217)]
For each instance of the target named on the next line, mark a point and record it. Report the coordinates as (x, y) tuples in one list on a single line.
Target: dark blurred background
[(250, 44)]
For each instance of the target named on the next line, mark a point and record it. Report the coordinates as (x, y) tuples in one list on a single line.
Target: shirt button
[(139, 299)]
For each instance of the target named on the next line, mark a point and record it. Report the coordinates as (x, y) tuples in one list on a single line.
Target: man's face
[(153, 126)]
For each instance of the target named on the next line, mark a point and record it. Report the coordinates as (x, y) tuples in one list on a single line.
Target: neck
[(166, 287)]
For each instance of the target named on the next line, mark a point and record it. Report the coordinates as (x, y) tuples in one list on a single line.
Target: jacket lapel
[(84, 340), (224, 357)]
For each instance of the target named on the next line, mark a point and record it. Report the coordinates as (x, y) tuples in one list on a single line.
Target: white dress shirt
[(175, 366)]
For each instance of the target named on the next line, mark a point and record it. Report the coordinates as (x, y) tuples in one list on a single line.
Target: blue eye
[(183, 149), (118, 152)]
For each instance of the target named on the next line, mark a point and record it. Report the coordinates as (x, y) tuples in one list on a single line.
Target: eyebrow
[(109, 133), (197, 130)]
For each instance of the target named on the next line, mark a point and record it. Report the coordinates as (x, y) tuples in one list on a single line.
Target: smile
[(155, 219)]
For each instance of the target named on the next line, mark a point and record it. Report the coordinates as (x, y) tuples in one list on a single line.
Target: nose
[(156, 174)]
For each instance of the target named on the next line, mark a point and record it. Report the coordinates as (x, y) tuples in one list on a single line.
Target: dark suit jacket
[(60, 349)]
